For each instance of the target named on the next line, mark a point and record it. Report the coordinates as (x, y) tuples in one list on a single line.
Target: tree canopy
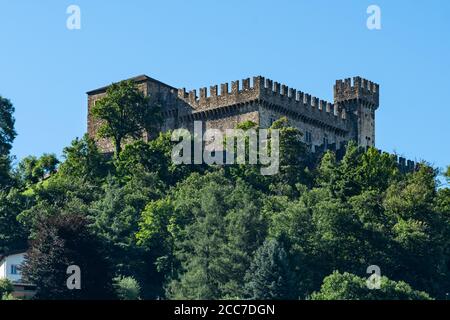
[(348, 286), (141, 227), (125, 112), (7, 136)]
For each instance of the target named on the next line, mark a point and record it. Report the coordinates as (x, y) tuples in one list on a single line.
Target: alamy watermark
[(374, 20), (73, 22), (374, 280), (215, 147), (74, 280)]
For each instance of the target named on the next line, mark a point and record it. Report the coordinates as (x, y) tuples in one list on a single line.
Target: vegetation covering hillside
[(141, 227)]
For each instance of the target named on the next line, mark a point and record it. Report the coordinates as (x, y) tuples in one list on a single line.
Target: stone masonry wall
[(263, 101)]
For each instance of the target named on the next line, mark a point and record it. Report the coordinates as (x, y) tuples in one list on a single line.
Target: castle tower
[(359, 99)]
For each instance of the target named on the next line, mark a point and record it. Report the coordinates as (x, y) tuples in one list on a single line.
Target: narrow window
[(308, 137), (13, 269)]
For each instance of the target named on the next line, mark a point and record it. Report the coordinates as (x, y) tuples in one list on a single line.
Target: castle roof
[(138, 79)]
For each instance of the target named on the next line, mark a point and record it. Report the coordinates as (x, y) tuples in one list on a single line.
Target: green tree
[(8, 296), (250, 173), (125, 112), (13, 235), (6, 288), (347, 184), (7, 132), (357, 172), (7, 135), (419, 232), (32, 170), (216, 226), (376, 170), (61, 241), (295, 159), (338, 240), (269, 276), (152, 157), (347, 286), (127, 288), (155, 226), (83, 161), (115, 220), (327, 173)]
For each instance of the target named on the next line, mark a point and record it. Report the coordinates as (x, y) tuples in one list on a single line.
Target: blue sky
[(45, 69)]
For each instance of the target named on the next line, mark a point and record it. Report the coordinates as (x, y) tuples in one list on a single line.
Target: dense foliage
[(7, 136), (125, 112), (6, 289), (141, 227), (350, 287)]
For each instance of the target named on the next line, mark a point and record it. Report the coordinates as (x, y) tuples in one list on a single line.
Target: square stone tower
[(359, 99)]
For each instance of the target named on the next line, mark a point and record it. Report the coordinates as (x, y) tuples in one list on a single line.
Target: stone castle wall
[(262, 101)]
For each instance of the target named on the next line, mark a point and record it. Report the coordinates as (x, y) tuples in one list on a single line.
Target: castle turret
[(360, 99)]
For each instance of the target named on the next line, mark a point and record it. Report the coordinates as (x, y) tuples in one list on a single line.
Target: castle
[(324, 125)]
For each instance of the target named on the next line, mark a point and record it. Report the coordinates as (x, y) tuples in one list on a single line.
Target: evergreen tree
[(216, 227), (7, 136), (61, 241), (13, 235), (269, 276)]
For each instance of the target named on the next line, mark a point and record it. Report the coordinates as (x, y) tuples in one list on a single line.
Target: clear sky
[(46, 69)]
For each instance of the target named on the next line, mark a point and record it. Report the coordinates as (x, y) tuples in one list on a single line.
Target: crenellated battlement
[(357, 88), (406, 165), (303, 103), (214, 97), (267, 91), (403, 164), (262, 100)]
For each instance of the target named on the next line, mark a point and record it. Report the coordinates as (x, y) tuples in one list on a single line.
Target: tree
[(376, 170), (339, 178), (8, 296), (347, 286), (115, 220), (32, 170), (216, 226), (7, 132), (418, 231), (5, 177), (269, 276), (327, 172), (6, 288), (141, 156), (250, 173), (125, 113), (295, 157), (63, 240), (127, 288), (83, 161), (13, 235), (154, 226), (7, 135), (358, 171)]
